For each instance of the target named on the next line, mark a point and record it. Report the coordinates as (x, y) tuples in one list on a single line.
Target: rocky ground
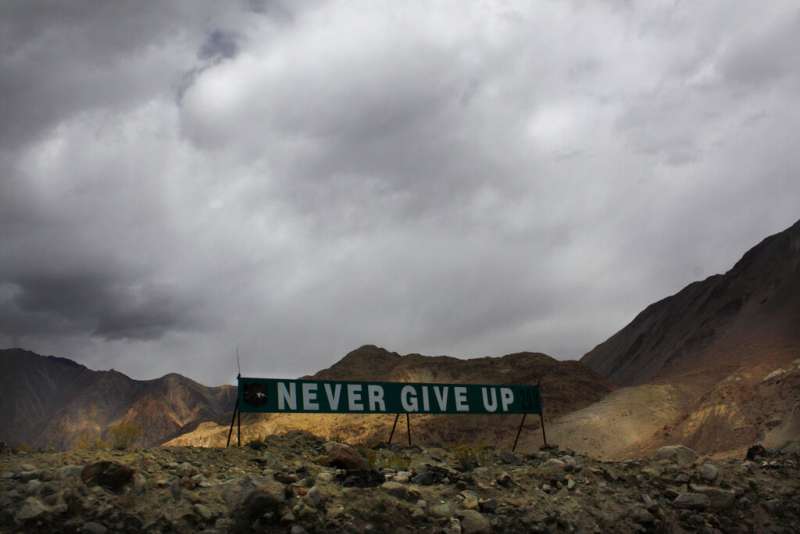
[(297, 483)]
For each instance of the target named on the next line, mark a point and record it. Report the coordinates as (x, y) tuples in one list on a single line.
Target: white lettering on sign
[(441, 396), (426, 401), (506, 398), (333, 395), (408, 398), (375, 395), (461, 399), (310, 396), (354, 401), (287, 397), (489, 405)]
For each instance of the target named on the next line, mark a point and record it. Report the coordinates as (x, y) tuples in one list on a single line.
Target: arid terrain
[(687, 419), (297, 483)]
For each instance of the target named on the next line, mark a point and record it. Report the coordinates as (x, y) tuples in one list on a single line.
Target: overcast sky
[(302, 178)]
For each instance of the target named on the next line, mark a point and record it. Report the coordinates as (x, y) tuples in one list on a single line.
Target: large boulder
[(112, 476), (263, 505), (691, 501), (344, 457)]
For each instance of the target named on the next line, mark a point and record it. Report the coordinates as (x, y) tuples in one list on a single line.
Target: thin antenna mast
[(238, 366)]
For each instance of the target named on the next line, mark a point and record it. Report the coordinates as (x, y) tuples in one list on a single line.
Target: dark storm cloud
[(299, 179), (219, 45), (92, 303)]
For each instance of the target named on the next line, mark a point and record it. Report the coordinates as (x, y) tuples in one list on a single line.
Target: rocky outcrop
[(296, 483)]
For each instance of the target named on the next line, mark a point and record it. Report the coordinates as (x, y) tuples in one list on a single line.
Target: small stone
[(93, 528), (649, 503), (473, 522), (671, 493), (677, 454), (755, 452), (401, 491), (203, 512), (186, 469), (487, 505), (571, 484), (504, 480), (792, 447), (425, 478), (441, 510), (298, 529), (288, 517), (325, 476), (139, 483), (31, 509), (176, 489), (27, 475), (772, 505), (470, 501), (719, 499), (315, 497), (264, 501), (32, 487), (508, 457), (640, 515), (402, 476), (570, 464), (709, 472), (691, 501)]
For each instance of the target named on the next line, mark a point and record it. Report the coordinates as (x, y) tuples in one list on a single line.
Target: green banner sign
[(270, 395)]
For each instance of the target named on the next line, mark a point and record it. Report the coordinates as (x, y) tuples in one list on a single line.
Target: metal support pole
[(544, 435), (408, 427), (519, 430), (541, 413), (239, 428), (396, 417), (233, 419)]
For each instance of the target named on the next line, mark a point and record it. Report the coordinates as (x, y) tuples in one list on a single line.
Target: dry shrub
[(90, 441), (469, 458), (124, 435)]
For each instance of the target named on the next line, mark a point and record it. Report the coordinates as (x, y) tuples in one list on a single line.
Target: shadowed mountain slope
[(747, 316), (49, 401), (728, 350)]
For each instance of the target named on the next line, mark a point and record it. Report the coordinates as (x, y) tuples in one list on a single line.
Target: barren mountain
[(566, 386), (749, 316), (55, 402), (727, 351)]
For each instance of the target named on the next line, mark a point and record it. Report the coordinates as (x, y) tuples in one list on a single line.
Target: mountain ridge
[(755, 302), (52, 401)]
